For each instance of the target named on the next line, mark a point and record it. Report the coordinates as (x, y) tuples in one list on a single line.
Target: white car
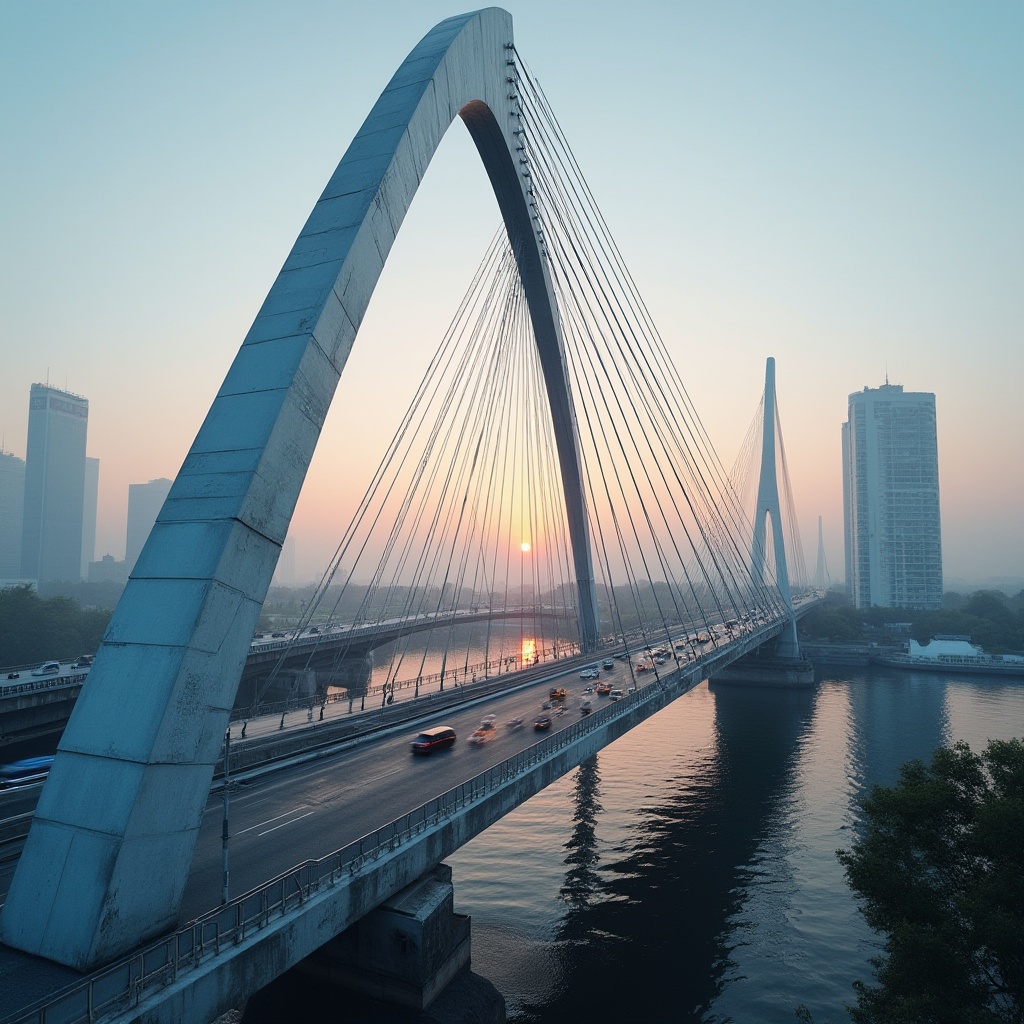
[(590, 672)]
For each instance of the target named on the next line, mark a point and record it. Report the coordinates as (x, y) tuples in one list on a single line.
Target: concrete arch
[(108, 855)]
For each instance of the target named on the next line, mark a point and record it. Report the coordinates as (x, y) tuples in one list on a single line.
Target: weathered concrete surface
[(107, 857)]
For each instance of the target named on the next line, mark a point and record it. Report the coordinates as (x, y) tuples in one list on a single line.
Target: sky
[(837, 185)]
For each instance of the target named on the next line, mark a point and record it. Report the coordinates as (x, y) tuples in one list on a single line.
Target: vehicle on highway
[(603, 690), (558, 693), (514, 723), (590, 672), (542, 722), (439, 738), (616, 695), (25, 772), (585, 706), (484, 734), (83, 661), (48, 668)]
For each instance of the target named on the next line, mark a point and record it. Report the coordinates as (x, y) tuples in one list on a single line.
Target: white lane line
[(260, 824), (283, 823)]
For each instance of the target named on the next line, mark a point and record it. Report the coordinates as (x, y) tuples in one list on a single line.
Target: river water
[(688, 873)]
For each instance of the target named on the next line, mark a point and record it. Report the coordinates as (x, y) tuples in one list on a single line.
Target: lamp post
[(224, 833)]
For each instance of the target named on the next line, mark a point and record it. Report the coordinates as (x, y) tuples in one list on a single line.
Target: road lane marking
[(260, 824), (283, 823)]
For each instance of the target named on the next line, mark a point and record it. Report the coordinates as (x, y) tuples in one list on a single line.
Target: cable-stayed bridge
[(551, 459)]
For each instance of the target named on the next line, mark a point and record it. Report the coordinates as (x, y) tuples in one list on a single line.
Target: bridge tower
[(767, 508), (107, 858), (783, 665)]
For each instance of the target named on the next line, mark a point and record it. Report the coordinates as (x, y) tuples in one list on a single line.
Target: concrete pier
[(407, 962), (766, 668)]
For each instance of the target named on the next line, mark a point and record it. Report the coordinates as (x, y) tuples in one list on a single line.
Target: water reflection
[(680, 876)]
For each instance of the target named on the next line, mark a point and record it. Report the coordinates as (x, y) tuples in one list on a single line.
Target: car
[(608, 663), (603, 690), (278, 634), (557, 694), (589, 673), (48, 668), (542, 722), (25, 772), (616, 695), (585, 706), (439, 738), (84, 661), (485, 733)]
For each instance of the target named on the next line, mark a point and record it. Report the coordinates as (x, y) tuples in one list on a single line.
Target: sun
[(525, 546)]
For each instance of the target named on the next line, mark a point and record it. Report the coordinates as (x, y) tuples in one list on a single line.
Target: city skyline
[(836, 188)]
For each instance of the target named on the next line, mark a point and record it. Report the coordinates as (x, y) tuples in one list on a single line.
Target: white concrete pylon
[(106, 861), (767, 507)]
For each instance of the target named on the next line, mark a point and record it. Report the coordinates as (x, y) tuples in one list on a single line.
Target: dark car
[(439, 738), (542, 722)]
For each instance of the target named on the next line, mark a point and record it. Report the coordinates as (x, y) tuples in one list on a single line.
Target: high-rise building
[(144, 504), (90, 501), (12, 501), (51, 545), (891, 499)]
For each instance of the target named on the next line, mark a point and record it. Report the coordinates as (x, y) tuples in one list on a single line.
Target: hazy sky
[(838, 185)]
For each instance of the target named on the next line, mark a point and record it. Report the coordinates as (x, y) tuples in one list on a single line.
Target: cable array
[(462, 532)]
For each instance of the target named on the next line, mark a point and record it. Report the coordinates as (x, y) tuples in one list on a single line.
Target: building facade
[(51, 545), (891, 519), (144, 504), (12, 502)]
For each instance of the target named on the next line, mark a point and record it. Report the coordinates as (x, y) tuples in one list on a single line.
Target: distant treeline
[(35, 629), (989, 617)]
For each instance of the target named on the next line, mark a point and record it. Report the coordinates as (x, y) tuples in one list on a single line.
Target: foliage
[(33, 630), (940, 872), (988, 617)]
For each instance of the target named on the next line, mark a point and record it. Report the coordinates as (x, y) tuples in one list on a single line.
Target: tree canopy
[(939, 869), (33, 630)]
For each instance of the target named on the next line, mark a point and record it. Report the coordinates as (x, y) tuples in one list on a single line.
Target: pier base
[(766, 669), (407, 962)]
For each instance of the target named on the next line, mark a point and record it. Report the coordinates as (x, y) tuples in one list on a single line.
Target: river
[(688, 873)]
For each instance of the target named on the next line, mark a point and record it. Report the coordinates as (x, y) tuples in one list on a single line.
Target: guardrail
[(8, 689), (124, 984)]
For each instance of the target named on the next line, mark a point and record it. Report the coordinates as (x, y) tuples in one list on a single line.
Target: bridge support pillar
[(766, 668), (409, 954)]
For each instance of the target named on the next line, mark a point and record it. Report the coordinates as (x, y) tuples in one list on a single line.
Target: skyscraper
[(891, 499), (144, 504), (12, 501), (51, 546)]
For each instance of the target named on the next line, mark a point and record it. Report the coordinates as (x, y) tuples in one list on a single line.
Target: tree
[(940, 872)]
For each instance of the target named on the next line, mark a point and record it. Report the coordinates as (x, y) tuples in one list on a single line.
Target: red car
[(543, 722)]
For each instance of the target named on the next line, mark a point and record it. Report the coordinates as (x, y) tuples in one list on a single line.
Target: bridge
[(551, 459)]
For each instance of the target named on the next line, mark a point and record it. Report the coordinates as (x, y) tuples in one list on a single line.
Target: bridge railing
[(125, 983), (10, 689)]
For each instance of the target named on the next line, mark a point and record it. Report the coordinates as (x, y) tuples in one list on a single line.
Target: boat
[(952, 653)]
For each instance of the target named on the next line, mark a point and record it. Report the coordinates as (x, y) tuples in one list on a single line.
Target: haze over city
[(834, 186)]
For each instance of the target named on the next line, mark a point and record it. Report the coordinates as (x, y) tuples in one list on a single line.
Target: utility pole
[(224, 834)]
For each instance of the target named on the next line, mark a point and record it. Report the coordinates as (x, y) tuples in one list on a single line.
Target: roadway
[(319, 807), (281, 816)]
